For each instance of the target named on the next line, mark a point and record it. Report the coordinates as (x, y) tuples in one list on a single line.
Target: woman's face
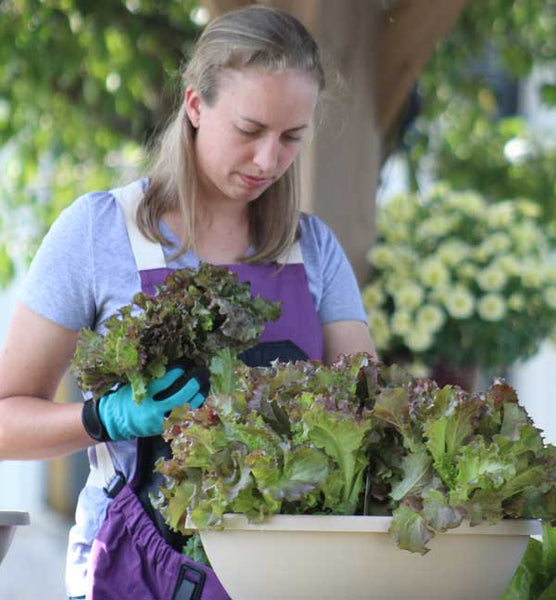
[(250, 136)]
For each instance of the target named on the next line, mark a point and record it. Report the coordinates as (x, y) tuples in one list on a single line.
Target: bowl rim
[(366, 524), (14, 517)]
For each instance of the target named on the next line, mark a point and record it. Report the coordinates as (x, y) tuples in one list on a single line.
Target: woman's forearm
[(36, 429)]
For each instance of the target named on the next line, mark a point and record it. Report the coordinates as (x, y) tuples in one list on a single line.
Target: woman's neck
[(222, 237)]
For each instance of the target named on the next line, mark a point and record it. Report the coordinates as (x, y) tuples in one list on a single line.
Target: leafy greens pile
[(356, 437), (192, 316), (535, 577)]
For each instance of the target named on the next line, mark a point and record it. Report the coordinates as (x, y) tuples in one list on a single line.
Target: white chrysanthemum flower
[(500, 214), (467, 271), (509, 264), (378, 326), (516, 302), (430, 318), (440, 293), (395, 281), (409, 296), (453, 252), (433, 273), (491, 307), (373, 296), (435, 227), (481, 254), (404, 261), (497, 243), (526, 236), (550, 296), (442, 190), (529, 209), (401, 322), (418, 340), (380, 256), (551, 272), (460, 303), (398, 233), (491, 279), (403, 207), (470, 203), (418, 369), (531, 274)]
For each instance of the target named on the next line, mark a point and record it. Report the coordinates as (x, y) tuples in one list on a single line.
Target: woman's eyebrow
[(263, 126)]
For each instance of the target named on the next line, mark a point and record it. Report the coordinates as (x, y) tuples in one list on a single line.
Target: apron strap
[(148, 254), (293, 256), (103, 474)]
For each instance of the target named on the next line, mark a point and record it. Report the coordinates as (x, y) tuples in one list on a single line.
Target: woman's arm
[(346, 337), (35, 355)]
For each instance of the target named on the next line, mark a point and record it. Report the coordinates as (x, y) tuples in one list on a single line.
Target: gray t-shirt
[(85, 270)]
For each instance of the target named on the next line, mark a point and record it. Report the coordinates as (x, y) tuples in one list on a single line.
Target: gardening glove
[(116, 416)]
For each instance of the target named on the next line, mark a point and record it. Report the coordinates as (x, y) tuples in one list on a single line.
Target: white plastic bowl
[(9, 520), (310, 557)]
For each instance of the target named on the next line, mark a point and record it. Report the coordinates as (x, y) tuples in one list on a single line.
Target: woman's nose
[(266, 155)]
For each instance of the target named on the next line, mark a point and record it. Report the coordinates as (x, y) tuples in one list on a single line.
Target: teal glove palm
[(124, 419)]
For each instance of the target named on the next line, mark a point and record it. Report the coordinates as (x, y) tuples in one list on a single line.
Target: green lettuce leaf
[(193, 315), (437, 512), (409, 530), (535, 577), (417, 476)]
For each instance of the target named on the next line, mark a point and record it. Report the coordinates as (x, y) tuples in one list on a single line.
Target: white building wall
[(534, 382), (534, 379)]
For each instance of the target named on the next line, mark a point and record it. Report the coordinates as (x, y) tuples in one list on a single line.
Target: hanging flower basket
[(459, 281)]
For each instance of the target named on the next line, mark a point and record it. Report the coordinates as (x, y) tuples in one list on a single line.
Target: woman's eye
[(247, 132), (292, 138)]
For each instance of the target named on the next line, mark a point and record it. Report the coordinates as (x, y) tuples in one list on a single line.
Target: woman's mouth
[(254, 182)]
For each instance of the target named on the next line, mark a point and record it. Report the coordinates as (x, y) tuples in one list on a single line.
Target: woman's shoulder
[(94, 209), (88, 207), (315, 235)]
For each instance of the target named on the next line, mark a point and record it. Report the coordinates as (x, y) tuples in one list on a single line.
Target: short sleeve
[(332, 281), (60, 282)]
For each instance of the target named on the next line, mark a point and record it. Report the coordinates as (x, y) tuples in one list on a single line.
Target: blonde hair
[(252, 37)]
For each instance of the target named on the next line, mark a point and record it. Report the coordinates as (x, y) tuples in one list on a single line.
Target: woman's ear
[(193, 106)]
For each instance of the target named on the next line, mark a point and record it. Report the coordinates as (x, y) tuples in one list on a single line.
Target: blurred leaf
[(548, 93), (82, 88)]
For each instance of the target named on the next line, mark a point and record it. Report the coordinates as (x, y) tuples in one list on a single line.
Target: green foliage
[(501, 158), (458, 134), (355, 437), (192, 316), (517, 33), (195, 551), (535, 577), (82, 86)]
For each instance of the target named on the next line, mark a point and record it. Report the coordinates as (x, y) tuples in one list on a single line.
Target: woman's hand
[(121, 418), (346, 337)]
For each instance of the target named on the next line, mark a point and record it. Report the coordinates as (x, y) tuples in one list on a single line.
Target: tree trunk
[(408, 34)]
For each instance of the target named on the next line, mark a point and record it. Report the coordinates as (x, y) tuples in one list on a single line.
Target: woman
[(223, 189)]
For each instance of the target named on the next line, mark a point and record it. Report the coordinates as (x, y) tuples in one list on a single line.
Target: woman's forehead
[(267, 96)]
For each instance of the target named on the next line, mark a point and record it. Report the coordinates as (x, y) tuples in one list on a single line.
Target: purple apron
[(130, 557)]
